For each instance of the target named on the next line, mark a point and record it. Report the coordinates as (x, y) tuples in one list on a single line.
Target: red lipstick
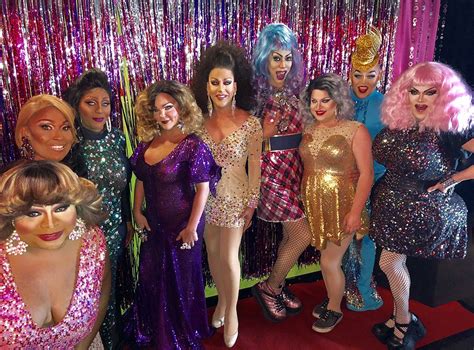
[(51, 236)]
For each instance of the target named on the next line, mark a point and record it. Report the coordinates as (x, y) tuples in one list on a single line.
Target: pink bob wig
[(452, 110)]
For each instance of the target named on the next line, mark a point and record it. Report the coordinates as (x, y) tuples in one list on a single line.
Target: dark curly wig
[(91, 79), (224, 55)]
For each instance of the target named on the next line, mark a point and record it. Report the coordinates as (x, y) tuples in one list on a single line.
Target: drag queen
[(175, 171), (428, 114), (358, 263), (102, 149), (333, 147), (222, 88), (54, 271), (279, 78)]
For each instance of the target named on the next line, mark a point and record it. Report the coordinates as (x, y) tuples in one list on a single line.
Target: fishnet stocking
[(296, 237), (394, 267)]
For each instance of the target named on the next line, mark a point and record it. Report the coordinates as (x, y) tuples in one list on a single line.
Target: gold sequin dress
[(326, 190), (236, 190)]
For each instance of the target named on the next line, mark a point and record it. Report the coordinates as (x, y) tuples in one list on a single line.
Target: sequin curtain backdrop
[(47, 44)]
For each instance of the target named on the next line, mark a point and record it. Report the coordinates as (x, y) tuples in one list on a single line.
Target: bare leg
[(229, 244), (212, 236), (331, 259)]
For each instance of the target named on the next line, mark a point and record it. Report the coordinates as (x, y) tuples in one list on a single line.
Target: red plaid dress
[(281, 170)]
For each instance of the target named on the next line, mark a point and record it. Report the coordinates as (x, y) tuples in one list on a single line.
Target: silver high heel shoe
[(218, 322), (230, 340)]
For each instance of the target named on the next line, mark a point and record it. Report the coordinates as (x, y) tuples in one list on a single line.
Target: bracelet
[(448, 183)]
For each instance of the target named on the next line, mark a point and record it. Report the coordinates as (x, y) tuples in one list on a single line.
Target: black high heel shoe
[(382, 332), (415, 330)]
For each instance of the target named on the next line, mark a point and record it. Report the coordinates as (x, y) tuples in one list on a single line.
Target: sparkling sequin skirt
[(406, 219), (327, 199)]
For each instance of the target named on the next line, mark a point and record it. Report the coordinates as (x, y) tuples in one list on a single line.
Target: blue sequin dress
[(406, 219), (169, 311), (108, 167)]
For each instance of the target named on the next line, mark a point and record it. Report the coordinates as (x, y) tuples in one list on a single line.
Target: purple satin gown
[(170, 309)]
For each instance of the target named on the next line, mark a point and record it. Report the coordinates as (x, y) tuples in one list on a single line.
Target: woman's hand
[(142, 223), (247, 215), (188, 236), (129, 236), (352, 222)]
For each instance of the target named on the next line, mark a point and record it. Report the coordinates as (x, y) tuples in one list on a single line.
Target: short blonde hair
[(189, 112), (43, 182), (37, 103)]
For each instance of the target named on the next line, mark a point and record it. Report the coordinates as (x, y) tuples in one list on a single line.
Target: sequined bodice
[(107, 167), (17, 328), (232, 154), (411, 153), (329, 149)]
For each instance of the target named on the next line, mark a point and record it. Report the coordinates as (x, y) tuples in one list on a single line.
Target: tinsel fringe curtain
[(47, 44)]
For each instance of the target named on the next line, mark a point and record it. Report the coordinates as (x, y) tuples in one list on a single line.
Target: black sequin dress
[(406, 219)]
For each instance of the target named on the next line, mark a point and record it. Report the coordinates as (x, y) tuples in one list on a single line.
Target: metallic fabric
[(406, 219), (281, 170), (107, 167), (17, 328), (236, 190), (169, 310), (326, 190)]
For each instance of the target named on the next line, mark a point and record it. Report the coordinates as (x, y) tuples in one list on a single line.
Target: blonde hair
[(37, 103), (44, 182), (189, 112)]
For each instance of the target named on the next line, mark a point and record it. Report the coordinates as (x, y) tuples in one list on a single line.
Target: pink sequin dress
[(17, 328)]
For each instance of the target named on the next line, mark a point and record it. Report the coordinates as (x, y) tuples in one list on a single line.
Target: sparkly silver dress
[(406, 219)]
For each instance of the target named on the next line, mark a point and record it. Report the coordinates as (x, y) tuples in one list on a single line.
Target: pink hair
[(452, 110)]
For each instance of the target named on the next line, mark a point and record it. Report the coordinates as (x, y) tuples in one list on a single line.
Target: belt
[(281, 142)]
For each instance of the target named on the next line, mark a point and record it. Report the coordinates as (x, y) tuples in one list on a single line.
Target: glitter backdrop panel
[(45, 45)]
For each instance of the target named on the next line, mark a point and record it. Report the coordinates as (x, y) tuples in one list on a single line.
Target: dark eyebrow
[(274, 52), (431, 88)]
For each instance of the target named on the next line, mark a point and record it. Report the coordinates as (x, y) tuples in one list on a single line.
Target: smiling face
[(221, 87), (279, 65), (50, 134), (422, 99), (46, 226), (364, 82), (166, 111), (323, 107), (94, 109)]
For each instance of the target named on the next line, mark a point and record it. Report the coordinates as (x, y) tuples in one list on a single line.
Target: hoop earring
[(79, 230), (108, 124), (209, 106), (26, 150), (14, 245)]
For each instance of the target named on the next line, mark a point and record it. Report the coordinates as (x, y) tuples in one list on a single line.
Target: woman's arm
[(362, 149), (254, 171), (189, 233), (140, 219), (103, 303), (460, 176)]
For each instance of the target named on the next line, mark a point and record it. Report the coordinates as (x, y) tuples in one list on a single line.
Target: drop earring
[(79, 230), (108, 124), (26, 150), (209, 106), (14, 245), (233, 103)]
